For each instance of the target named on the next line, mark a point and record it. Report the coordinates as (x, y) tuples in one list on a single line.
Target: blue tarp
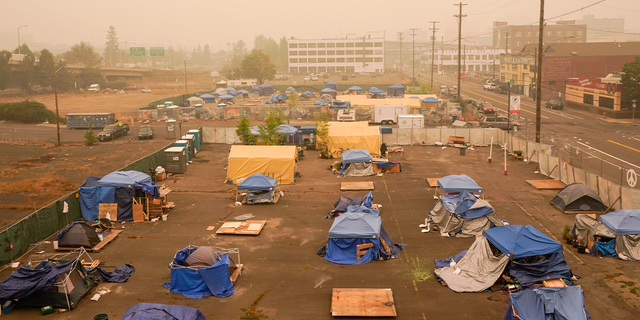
[(554, 267), (457, 184), (121, 274), (226, 97), (555, 303), (344, 202), (197, 283), (396, 90), (604, 249), (26, 281), (90, 199), (345, 251), (308, 93), (518, 241), (461, 203), (208, 98), (255, 89), (622, 222), (375, 90), (447, 262), (289, 131), (333, 85), (149, 187), (356, 155), (258, 181), (123, 179), (91, 181), (156, 311), (363, 225), (357, 89), (430, 100)]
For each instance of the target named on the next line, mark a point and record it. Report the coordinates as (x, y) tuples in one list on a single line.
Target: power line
[(413, 64), (433, 47)]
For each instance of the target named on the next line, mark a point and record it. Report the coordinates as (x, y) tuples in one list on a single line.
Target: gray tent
[(578, 197), (463, 215)]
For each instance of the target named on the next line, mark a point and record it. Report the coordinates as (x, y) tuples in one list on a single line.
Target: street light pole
[(19, 44), (539, 73), (55, 91), (633, 111)]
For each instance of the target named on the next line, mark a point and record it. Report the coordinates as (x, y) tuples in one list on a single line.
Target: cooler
[(176, 158), (185, 144)]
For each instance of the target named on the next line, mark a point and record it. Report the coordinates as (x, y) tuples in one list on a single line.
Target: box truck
[(411, 121), (388, 114)]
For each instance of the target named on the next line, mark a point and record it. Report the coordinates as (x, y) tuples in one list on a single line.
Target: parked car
[(499, 122), (490, 86), (112, 131), (145, 132), (555, 104), (345, 77), (146, 90), (133, 87), (94, 88), (486, 108), (307, 78), (314, 78)]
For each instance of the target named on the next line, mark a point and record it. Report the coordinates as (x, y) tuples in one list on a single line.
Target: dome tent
[(265, 89), (577, 197), (333, 85), (78, 234)]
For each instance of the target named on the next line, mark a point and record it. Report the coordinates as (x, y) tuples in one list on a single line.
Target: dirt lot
[(285, 279)]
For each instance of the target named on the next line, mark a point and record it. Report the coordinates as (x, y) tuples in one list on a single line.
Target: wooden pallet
[(112, 235), (247, 227), (236, 273), (362, 302), (433, 182), (549, 184), (356, 186)]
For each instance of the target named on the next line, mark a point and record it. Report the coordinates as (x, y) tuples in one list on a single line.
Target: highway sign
[(632, 178), (137, 51), (156, 51), (514, 105)]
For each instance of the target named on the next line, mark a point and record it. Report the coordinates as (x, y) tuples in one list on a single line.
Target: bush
[(89, 137), (27, 112)]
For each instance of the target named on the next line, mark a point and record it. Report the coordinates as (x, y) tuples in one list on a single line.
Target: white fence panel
[(433, 136), (554, 167), (630, 198)]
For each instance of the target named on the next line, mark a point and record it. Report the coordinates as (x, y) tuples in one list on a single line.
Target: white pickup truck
[(490, 86)]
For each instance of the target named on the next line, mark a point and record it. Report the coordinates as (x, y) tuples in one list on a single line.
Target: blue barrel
[(185, 144), (197, 138)]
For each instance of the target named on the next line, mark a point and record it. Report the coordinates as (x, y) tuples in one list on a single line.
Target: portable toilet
[(183, 143), (172, 129), (168, 104), (197, 137), (176, 158), (192, 144)]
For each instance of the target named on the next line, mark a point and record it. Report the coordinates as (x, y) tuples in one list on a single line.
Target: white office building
[(354, 55), (473, 61)]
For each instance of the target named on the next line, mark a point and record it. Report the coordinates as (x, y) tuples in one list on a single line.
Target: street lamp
[(19, 44), (55, 91)]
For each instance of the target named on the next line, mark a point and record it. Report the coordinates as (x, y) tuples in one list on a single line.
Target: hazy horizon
[(157, 23)]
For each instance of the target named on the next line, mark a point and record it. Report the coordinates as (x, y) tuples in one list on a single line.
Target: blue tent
[(554, 303), (328, 90), (255, 89), (396, 90), (333, 85), (356, 89), (622, 222), (289, 131), (226, 97), (356, 155), (243, 92), (360, 225), (201, 271), (457, 184), (265, 89), (208, 98), (124, 179), (258, 181), (308, 93), (156, 311), (430, 100), (116, 187), (462, 204), (375, 90), (518, 241)]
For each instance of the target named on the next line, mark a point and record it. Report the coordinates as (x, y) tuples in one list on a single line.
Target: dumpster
[(197, 138), (192, 140), (185, 144), (176, 158)]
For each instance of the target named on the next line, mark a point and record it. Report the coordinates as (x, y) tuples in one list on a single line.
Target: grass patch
[(633, 290), (418, 270), (251, 313)]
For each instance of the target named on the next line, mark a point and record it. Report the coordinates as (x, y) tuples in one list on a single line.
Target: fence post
[(13, 136)]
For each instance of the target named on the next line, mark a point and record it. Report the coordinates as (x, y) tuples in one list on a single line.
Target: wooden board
[(110, 208), (549, 184), (554, 283), (246, 227), (356, 186), (362, 302), (236, 273), (433, 182), (592, 214), (138, 213), (112, 235)]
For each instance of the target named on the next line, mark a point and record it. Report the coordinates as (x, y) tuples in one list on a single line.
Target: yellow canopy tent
[(343, 138), (278, 162)]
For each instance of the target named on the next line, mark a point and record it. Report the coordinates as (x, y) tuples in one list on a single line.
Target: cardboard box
[(161, 176)]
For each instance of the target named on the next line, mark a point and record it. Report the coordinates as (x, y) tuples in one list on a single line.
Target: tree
[(111, 50), (322, 134), (258, 65), (89, 137), (5, 69), (293, 101), (269, 132), (83, 53), (631, 78), (268, 45), (45, 68), (244, 132), (284, 53), (27, 65)]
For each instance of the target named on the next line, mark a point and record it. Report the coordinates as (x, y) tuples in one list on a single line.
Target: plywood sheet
[(554, 283), (549, 184), (247, 227), (362, 302), (356, 186), (110, 208), (433, 182), (138, 213)]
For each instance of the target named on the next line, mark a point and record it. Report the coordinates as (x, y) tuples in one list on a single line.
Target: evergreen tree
[(45, 68), (5, 69), (111, 50)]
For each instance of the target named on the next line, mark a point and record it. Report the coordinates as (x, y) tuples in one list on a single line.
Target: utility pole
[(400, 38), (506, 52), (464, 54), (186, 89), (55, 92), (433, 49), (459, 16), (539, 78), (413, 37), (535, 72)]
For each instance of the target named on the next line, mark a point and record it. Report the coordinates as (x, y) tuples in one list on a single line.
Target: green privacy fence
[(15, 240)]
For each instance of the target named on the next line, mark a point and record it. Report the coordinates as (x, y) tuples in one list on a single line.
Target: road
[(584, 138)]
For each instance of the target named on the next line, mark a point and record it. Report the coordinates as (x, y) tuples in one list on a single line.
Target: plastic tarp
[(308, 93), (123, 179), (91, 181), (26, 281), (357, 169), (553, 266), (364, 224), (622, 222), (226, 97), (320, 102), (356, 89), (396, 90), (344, 202), (120, 275), (345, 250), (258, 181), (345, 138), (255, 89), (375, 90), (394, 248), (518, 241), (555, 303), (463, 215), (476, 271), (278, 162), (447, 262), (328, 90), (91, 197), (156, 311), (196, 283), (333, 85), (585, 227), (430, 100), (356, 155), (458, 183)]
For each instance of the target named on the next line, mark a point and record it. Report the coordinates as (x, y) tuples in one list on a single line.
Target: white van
[(94, 88)]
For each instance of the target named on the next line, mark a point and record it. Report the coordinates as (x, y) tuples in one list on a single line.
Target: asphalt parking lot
[(285, 279)]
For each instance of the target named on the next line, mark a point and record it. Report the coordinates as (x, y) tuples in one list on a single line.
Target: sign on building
[(137, 51), (156, 51)]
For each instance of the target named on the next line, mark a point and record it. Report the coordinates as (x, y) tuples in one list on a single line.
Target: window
[(322, 60), (587, 98), (368, 44), (293, 53), (339, 52), (605, 102), (322, 45), (359, 44), (340, 45), (477, 57), (549, 33), (368, 52), (302, 60), (503, 66), (349, 52), (312, 60), (579, 33), (377, 59), (528, 33), (518, 34), (331, 53), (312, 45), (380, 52), (443, 57), (293, 45), (293, 60), (368, 59), (302, 53), (322, 53), (331, 45), (339, 60), (331, 60), (569, 33), (349, 44), (312, 53), (359, 59), (303, 45), (359, 52), (525, 67), (502, 77), (559, 33), (514, 67), (378, 44), (484, 57), (349, 59), (492, 57)]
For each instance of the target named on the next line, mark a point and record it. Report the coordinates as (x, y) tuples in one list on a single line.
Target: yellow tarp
[(278, 162), (351, 124), (344, 138), (361, 100)]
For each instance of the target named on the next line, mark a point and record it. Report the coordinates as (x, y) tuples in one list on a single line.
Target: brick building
[(521, 35)]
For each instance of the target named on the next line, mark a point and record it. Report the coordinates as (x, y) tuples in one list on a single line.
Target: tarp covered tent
[(208, 98), (321, 102), (355, 89), (195, 100), (279, 98), (344, 202), (529, 255), (255, 90), (244, 93), (329, 91), (78, 234), (260, 188), (554, 303), (375, 90), (59, 284), (220, 91), (156, 311), (290, 132), (353, 135), (232, 91), (265, 89), (333, 85), (463, 215), (625, 226), (453, 184), (198, 272), (578, 197), (279, 162), (357, 237), (226, 97), (396, 90), (356, 163)]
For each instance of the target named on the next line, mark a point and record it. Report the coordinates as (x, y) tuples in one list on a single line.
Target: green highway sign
[(137, 51), (156, 51)]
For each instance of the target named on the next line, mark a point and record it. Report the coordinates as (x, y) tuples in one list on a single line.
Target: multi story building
[(603, 29), (521, 35), (474, 61), (519, 69), (362, 54)]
